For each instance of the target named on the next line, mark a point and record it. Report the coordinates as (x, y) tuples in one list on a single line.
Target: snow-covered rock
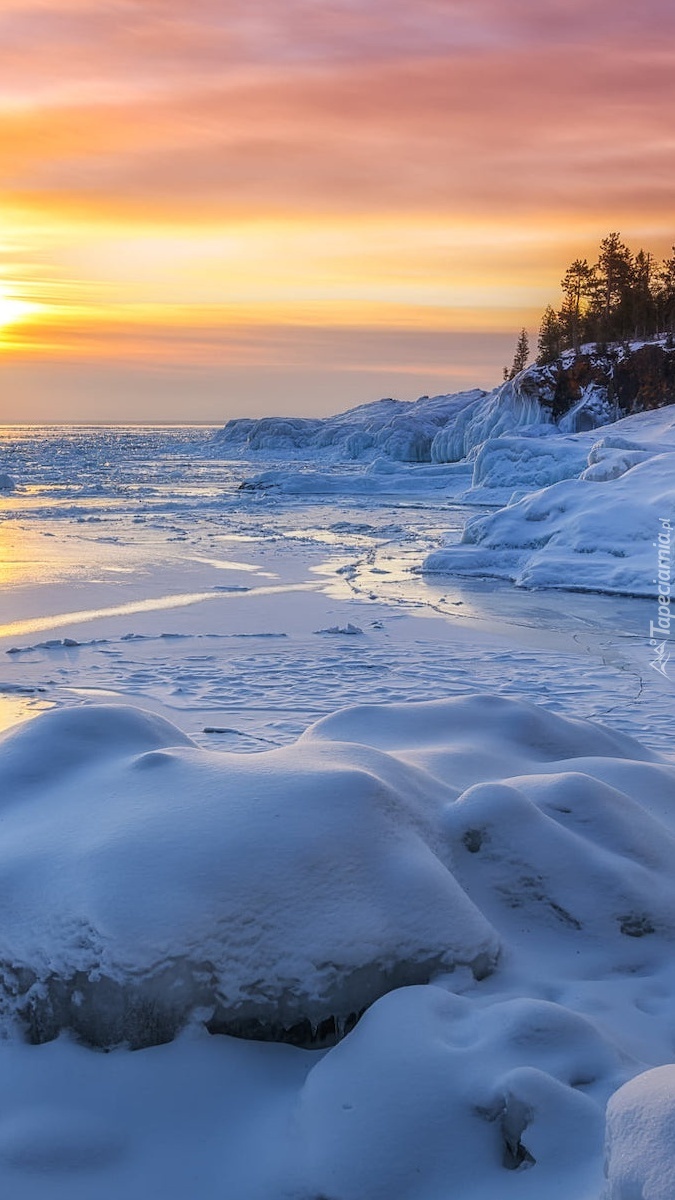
[(277, 895), (433, 1096), (144, 878)]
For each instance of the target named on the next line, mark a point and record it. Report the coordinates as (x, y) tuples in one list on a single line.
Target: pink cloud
[(513, 132), (151, 43)]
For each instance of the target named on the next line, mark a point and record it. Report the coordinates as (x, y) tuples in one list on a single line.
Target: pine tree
[(665, 295), (642, 296), (520, 357), (622, 296), (577, 289), (614, 275), (550, 335)]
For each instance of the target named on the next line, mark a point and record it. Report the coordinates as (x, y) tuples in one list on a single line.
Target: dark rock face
[(646, 379), (627, 380)]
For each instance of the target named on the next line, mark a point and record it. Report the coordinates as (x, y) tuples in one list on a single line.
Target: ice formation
[(437, 429), (582, 511), (577, 393), (581, 495)]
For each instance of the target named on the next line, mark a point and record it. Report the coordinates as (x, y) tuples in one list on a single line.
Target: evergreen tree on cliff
[(522, 353), (620, 297), (577, 288), (614, 280), (549, 344)]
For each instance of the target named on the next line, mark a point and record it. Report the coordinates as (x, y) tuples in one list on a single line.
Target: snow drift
[(278, 895)]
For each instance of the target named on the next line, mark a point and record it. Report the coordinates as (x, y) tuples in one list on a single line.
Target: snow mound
[(279, 894), (639, 1147), (432, 1096)]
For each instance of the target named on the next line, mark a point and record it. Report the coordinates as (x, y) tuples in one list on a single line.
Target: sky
[(238, 207)]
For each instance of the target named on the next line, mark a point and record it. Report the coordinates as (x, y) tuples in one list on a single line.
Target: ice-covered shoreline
[(370, 851), (580, 490)]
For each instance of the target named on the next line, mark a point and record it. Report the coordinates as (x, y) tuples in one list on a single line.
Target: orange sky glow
[(236, 207)]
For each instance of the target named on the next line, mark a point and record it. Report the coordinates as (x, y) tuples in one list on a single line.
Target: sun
[(12, 308)]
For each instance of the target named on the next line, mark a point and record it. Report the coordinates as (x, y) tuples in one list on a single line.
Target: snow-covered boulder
[(144, 878)]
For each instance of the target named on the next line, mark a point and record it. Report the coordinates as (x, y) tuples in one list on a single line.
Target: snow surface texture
[(640, 1149)]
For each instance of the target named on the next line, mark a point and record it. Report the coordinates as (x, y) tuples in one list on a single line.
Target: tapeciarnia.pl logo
[(659, 632)]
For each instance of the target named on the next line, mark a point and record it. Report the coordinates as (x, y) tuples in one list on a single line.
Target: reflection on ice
[(157, 603), (15, 707), (224, 564)]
